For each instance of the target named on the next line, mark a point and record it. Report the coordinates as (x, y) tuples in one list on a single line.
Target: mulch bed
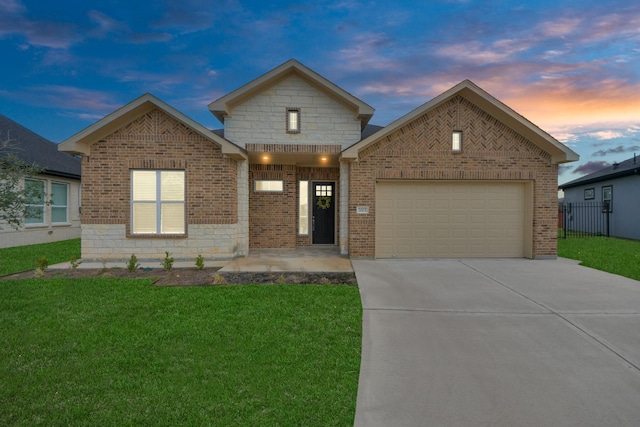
[(195, 277)]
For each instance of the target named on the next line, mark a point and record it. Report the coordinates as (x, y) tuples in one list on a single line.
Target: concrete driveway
[(497, 343)]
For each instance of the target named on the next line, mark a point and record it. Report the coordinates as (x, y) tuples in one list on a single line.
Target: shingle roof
[(617, 170), (32, 148)]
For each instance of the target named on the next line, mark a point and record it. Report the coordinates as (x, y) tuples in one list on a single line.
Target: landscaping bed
[(196, 277)]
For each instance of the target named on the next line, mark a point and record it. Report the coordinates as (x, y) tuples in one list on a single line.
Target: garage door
[(450, 219)]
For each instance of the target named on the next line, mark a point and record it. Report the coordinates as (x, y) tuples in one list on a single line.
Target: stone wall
[(262, 119)]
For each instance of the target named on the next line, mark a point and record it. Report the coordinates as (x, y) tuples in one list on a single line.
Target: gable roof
[(80, 142), (617, 170), (474, 94), (32, 148), (223, 106)]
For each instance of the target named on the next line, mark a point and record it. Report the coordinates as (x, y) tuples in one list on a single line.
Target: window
[(303, 208), (35, 195), (293, 120), (607, 199), (269, 185), (589, 193), (59, 202), (157, 202), (456, 141)]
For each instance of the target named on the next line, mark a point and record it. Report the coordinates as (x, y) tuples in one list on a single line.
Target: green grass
[(609, 254), (23, 258), (113, 352)]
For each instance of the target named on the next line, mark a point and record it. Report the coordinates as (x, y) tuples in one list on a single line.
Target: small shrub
[(42, 264), (219, 280), (74, 262), (133, 264), (200, 262), (167, 262), (281, 279)]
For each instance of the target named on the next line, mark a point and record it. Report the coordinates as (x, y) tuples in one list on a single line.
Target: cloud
[(67, 98), (107, 26), (617, 150), (591, 167), (606, 134), (563, 169)]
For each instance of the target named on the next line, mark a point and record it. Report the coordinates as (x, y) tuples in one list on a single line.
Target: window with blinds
[(157, 202)]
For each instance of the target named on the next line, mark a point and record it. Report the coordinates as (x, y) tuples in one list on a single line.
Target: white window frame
[(35, 206), (268, 186), (54, 206), (158, 203), (303, 208)]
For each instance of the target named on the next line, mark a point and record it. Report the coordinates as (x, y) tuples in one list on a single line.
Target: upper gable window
[(293, 120)]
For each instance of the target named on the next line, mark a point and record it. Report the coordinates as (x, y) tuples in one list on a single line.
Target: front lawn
[(121, 352), (609, 254), (23, 258)]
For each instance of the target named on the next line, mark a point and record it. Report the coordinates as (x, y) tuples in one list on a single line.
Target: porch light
[(324, 159), (265, 158), (456, 141)]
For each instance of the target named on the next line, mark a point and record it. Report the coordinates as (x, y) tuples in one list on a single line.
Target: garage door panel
[(449, 219)]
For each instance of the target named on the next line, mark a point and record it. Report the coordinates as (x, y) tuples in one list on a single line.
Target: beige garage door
[(418, 219)]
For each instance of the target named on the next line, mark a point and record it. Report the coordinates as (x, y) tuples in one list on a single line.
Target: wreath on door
[(323, 202)]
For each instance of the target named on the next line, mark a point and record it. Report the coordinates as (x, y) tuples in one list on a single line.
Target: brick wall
[(157, 141), (421, 150), (273, 216)]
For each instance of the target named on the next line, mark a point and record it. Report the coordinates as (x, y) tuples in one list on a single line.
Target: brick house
[(298, 164)]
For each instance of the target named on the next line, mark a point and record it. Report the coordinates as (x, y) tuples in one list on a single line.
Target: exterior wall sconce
[(456, 141)]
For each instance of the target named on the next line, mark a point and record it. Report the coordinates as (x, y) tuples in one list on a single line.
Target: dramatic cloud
[(617, 150), (591, 167)]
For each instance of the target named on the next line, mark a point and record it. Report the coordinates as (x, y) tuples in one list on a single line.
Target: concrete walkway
[(497, 343), (307, 259)]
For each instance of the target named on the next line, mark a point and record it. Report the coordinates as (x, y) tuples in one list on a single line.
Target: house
[(298, 164), (618, 188), (59, 183)]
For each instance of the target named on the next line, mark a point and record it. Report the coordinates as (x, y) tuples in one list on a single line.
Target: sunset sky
[(570, 67)]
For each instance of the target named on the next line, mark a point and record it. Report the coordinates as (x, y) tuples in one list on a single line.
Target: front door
[(324, 213)]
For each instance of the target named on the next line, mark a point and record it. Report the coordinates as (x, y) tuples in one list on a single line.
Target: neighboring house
[(57, 215), (617, 186), (297, 165)]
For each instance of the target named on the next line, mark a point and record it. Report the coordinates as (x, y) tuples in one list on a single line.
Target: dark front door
[(324, 212)]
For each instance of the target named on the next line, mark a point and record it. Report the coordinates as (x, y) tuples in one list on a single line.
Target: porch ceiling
[(298, 159)]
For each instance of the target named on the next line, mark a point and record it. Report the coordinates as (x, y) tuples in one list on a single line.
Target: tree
[(14, 195)]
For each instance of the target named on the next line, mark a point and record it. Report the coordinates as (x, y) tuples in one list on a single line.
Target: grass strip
[(23, 258), (618, 256)]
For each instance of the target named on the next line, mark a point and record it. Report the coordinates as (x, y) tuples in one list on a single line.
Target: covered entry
[(453, 219)]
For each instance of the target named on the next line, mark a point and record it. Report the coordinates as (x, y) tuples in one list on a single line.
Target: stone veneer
[(110, 242), (262, 119), (421, 150)]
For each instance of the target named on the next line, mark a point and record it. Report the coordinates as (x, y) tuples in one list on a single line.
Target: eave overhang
[(474, 94), (80, 143), (223, 107)]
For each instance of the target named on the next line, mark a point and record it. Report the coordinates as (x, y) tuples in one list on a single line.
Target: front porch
[(310, 259)]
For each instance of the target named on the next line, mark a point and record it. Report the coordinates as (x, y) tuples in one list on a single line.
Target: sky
[(570, 67)]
